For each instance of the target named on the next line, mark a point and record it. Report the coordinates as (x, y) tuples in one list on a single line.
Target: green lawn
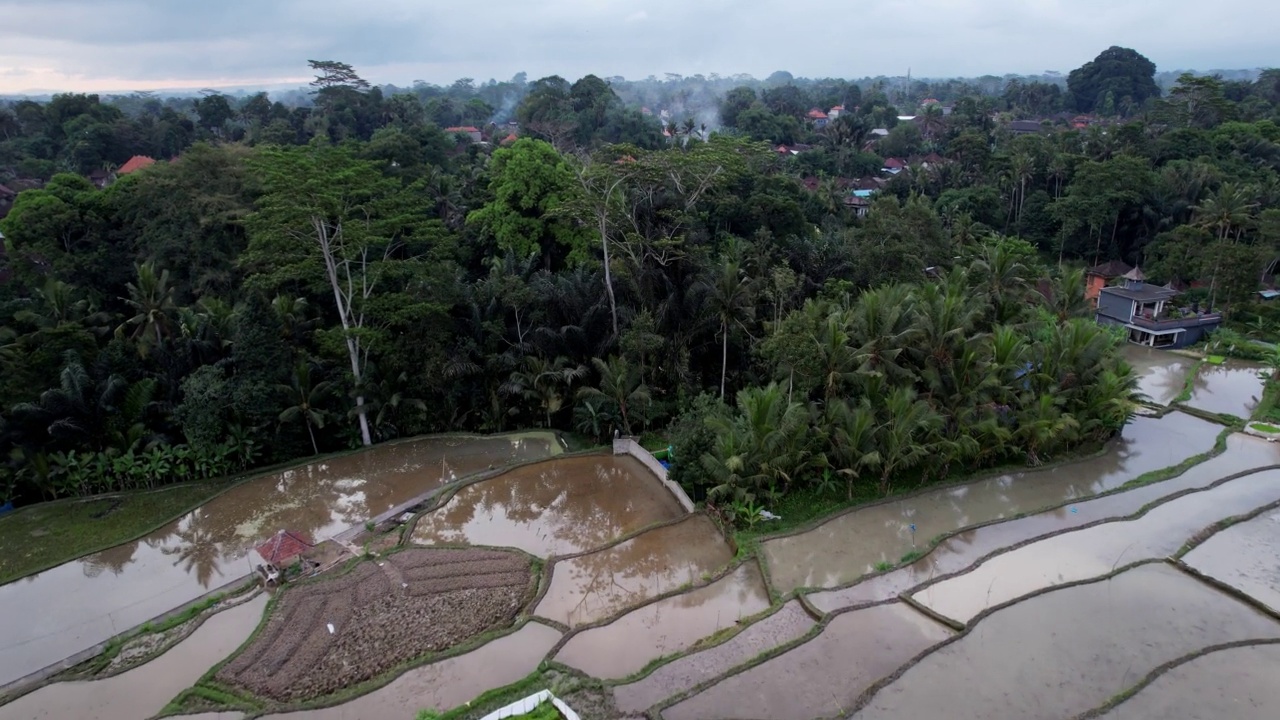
[(41, 536)]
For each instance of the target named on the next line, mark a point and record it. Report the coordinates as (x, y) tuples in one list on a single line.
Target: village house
[(472, 132), (1026, 127), (1150, 314), (1098, 276), (136, 163), (818, 118), (893, 166), (859, 201)]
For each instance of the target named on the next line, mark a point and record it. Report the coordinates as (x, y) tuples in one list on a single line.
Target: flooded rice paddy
[(1097, 550), (145, 690), (1245, 556), (849, 546), (1232, 388), (627, 644), (559, 507), (1055, 654), (1069, 650), (212, 545), (824, 676), (1161, 374), (601, 584), (448, 683), (1236, 683), (787, 624), (1243, 454)]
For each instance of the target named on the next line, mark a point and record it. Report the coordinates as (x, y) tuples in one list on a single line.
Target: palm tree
[(931, 121), (1227, 209), (306, 394), (546, 382), (151, 299), (1067, 298), (60, 304), (293, 314), (727, 299), (881, 330), (619, 386), (905, 435), (1022, 167), (853, 439), (1003, 279), (75, 412)]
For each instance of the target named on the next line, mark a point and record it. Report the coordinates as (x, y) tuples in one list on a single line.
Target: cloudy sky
[(104, 45)]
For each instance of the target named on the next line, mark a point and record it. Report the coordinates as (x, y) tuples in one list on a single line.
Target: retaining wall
[(629, 446)]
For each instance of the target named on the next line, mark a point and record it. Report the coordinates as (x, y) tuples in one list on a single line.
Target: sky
[(121, 45)]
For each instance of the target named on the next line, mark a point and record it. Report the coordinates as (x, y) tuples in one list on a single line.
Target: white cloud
[(638, 16)]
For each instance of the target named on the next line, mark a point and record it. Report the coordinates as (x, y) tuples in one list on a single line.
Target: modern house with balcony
[(1151, 314)]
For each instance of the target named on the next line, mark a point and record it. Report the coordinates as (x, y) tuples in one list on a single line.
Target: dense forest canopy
[(890, 287)]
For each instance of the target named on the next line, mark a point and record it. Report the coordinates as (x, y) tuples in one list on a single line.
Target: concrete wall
[(628, 446), (1115, 307)]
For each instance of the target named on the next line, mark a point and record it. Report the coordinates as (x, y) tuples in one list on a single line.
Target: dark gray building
[(1151, 314)]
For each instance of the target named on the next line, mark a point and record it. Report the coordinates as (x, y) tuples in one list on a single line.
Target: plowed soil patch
[(419, 602)]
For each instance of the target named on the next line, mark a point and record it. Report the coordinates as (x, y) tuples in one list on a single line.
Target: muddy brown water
[(849, 546), (1096, 551), (667, 626), (134, 582), (787, 624), (1245, 556), (1243, 453), (1161, 374), (558, 507), (1069, 650), (1238, 683), (602, 584), (448, 683), (1232, 388), (145, 690), (824, 676)]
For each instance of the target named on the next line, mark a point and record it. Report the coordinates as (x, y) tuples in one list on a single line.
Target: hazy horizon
[(124, 46)]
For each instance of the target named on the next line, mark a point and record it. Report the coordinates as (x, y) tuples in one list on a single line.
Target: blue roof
[(863, 193), (1269, 294)]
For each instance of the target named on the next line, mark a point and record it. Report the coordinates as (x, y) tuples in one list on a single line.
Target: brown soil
[(384, 613)]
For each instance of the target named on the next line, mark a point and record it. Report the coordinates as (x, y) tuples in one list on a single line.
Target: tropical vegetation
[(299, 278)]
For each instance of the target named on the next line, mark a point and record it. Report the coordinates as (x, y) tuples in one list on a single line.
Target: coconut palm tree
[(618, 387), (906, 433), (151, 298), (728, 302), (306, 395), (546, 382), (853, 440)]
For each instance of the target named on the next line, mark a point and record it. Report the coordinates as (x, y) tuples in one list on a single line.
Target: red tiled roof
[(509, 139), (137, 162), (839, 108), (464, 128), (929, 101), (283, 547), (894, 163), (817, 114)]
